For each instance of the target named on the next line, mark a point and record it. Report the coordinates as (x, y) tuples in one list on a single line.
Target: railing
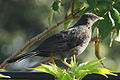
[(45, 76)]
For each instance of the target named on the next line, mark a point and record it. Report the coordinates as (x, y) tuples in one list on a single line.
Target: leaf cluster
[(3, 76), (76, 71), (109, 9), (110, 26)]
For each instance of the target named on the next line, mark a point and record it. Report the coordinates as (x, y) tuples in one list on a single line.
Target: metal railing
[(45, 76)]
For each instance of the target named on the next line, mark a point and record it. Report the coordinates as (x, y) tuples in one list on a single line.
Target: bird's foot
[(64, 62), (52, 60)]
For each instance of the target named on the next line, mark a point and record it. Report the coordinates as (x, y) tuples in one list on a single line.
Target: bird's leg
[(52, 60), (65, 62)]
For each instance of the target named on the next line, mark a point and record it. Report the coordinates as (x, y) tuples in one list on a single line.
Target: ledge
[(45, 76)]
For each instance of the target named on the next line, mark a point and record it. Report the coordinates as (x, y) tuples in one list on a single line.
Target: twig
[(97, 47), (72, 7)]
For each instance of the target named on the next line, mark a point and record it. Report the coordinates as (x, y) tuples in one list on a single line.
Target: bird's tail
[(22, 56)]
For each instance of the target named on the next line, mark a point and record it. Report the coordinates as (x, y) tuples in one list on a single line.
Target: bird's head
[(89, 19)]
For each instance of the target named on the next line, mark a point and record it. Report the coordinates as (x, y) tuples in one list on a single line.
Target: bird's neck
[(81, 22)]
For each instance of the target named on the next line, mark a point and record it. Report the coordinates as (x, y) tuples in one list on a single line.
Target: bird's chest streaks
[(79, 35), (83, 36)]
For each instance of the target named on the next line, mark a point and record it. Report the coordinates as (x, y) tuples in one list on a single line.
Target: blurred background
[(21, 20)]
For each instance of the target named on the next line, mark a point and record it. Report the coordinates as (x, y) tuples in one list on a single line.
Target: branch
[(39, 37), (72, 7)]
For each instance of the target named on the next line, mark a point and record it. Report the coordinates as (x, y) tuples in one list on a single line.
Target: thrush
[(66, 43)]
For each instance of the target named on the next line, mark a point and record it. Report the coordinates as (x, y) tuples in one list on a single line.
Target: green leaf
[(50, 17), (3, 76), (112, 36), (89, 65), (102, 4), (91, 3), (112, 33), (67, 24), (44, 68), (73, 61), (51, 69), (104, 72), (81, 74), (116, 17), (78, 5), (118, 37), (55, 5), (113, 22), (66, 77), (105, 26)]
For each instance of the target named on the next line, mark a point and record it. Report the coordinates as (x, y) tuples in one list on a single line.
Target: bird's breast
[(84, 35)]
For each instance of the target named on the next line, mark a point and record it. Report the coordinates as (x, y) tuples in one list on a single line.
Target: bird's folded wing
[(62, 41)]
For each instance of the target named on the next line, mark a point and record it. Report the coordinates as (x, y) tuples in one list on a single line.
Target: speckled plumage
[(67, 42)]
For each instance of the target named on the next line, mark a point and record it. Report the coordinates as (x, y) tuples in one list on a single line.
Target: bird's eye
[(92, 18)]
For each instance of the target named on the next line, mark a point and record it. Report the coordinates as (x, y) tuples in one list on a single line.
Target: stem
[(72, 8), (97, 47)]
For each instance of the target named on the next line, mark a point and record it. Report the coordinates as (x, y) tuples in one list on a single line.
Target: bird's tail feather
[(22, 56)]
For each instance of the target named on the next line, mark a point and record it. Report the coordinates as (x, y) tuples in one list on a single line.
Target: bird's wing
[(64, 40)]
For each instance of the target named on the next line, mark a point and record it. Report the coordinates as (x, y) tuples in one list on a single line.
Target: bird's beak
[(101, 18)]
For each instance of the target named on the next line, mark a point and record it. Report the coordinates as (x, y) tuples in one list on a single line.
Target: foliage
[(76, 71), (3, 76), (106, 8)]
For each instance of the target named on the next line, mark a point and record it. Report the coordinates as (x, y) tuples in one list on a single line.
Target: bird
[(66, 43)]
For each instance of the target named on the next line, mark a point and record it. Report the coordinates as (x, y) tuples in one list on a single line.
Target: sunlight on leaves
[(76, 71), (104, 72), (3, 76), (118, 37)]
